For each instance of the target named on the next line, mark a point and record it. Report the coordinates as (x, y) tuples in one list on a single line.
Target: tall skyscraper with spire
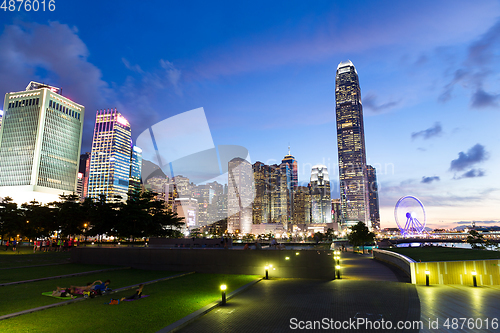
[(351, 145), (110, 156)]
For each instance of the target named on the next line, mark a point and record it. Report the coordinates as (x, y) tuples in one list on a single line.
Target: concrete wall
[(396, 259), (301, 264), (445, 272)]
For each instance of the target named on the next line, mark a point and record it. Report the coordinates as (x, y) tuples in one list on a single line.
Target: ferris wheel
[(410, 216)]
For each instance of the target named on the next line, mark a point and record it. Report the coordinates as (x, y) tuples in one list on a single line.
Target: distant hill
[(150, 170)]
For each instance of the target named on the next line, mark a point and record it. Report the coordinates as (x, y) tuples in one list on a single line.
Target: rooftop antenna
[(288, 148)]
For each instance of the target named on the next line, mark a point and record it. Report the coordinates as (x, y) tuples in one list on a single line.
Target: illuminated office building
[(83, 175), (292, 163), (40, 141), (373, 197), (240, 196), (135, 170), (321, 204), (110, 156), (351, 144)]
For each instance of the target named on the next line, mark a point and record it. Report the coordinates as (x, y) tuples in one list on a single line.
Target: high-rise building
[(240, 196), (261, 203), (302, 205), (83, 175), (292, 163), (40, 141), (135, 170), (321, 205), (351, 144), (110, 156), (373, 196)]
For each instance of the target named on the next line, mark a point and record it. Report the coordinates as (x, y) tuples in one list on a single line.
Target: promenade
[(368, 289)]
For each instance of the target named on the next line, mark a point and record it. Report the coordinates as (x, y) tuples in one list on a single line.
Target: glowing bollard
[(337, 268), (223, 289), (427, 273), (267, 273), (474, 278)]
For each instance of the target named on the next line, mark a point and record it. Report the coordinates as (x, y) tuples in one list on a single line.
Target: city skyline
[(266, 80)]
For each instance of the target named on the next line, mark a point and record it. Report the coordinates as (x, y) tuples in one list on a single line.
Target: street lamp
[(223, 290)]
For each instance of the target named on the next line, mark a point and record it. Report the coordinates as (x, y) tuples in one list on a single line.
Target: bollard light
[(474, 278), (223, 290), (296, 253), (337, 268), (267, 272), (427, 273), (287, 258)]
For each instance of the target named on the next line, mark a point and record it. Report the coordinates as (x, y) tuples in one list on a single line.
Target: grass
[(169, 301), (445, 253), (29, 295), (24, 256), (30, 273)]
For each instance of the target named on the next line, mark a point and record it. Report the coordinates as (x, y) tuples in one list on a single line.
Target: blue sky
[(265, 76)]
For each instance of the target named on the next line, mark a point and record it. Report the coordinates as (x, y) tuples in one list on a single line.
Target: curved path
[(368, 290)]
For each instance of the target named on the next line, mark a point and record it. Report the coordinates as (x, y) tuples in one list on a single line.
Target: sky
[(264, 74)]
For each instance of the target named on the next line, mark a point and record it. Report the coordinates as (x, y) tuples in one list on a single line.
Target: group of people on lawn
[(90, 290), (54, 244), (93, 289)]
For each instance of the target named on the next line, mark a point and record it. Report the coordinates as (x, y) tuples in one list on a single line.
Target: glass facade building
[(40, 141), (321, 204), (351, 144), (373, 196), (110, 157), (135, 169)]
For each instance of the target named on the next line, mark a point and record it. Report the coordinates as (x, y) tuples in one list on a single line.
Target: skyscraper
[(110, 156), (239, 197), (351, 144), (321, 204), (373, 196), (292, 163), (83, 175), (40, 141), (135, 170)]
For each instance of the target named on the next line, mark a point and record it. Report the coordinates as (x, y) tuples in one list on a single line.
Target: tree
[(477, 241), (69, 214), (10, 218), (38, 220), (360, 234)]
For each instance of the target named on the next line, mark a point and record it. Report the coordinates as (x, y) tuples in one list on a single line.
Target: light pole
[(223, 290)]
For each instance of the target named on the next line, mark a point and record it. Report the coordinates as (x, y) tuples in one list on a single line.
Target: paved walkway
[(368, 289)]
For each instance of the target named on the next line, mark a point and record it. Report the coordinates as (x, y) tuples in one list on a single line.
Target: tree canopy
[(360, 235), (140, 216)]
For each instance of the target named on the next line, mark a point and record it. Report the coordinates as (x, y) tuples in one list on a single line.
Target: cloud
[(431, 132), (482, 99), (53, 54), (428, 180), (477, 70), (474, 155), (173, 74), (135, 68), (472, 173), (370, 102)]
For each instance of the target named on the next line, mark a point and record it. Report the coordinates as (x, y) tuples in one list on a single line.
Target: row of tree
[(140, 216)]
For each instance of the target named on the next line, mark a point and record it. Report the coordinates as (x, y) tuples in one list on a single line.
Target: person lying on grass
[(64, 292), (102, 287), (88, 287), (137, 295)]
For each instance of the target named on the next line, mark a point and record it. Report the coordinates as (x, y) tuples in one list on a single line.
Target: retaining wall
[(300, 264)]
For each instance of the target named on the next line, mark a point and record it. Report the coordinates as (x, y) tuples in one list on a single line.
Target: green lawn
[(30, 273), (168, 302), (445, 253), (25, 257), (29, 295)]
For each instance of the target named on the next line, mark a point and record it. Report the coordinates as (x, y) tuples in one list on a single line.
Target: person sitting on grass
[(137, 295), (102, 287), (64, 292)]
